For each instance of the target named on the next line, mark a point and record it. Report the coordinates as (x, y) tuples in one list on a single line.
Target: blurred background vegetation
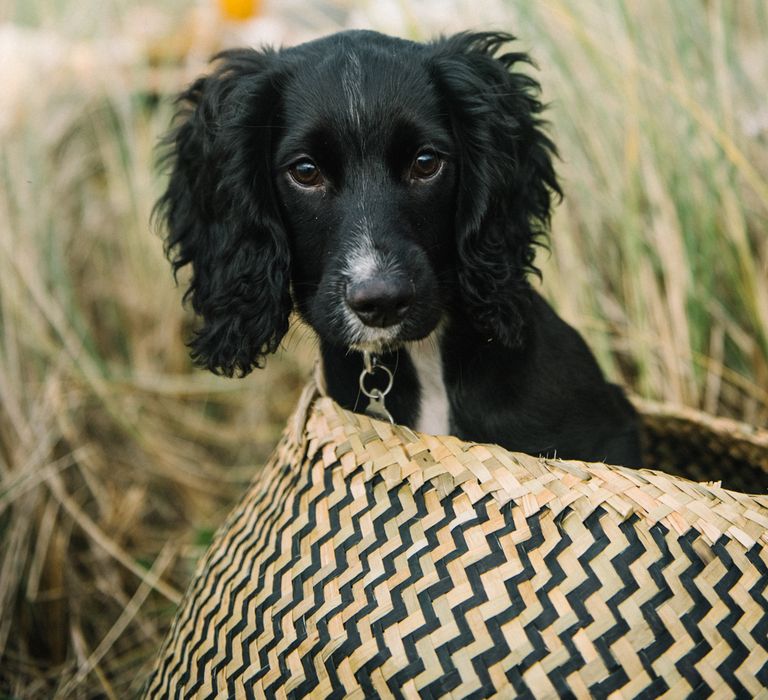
[(118, 459)]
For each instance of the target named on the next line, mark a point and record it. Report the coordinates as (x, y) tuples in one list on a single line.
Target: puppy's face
[(378, 185), (366, 180)]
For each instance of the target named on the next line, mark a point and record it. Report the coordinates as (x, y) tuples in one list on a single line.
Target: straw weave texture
[(368, 561)]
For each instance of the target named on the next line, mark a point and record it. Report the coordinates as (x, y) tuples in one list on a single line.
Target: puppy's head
[(377, 185)]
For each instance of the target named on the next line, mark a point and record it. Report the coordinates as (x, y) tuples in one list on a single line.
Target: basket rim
[(722, 425), (655, 496)]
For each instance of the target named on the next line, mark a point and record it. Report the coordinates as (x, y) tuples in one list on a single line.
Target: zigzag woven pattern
[(370, 561)]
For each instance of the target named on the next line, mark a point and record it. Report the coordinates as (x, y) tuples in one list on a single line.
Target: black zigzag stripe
[(621, 563), (249, 549), (374, 489), (250, 554), (392, 513), (416, 574), (399, 610), (268, 603), (451, 677), (517, 605), (662, 639), (466, 637), (493, 560), (691, 618), (245, 550), (415, 663), (340, 557), (213, 581), (760, 631), (308, 661), (430, 593), (548, 614), (324, 638), (727, 669), (577, 599), (311, 679), (183, 629)]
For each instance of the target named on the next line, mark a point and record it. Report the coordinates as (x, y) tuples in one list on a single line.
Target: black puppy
[(393, 193)]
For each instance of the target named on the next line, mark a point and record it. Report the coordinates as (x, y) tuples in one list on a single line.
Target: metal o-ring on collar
[(375, 392), (376, 405)]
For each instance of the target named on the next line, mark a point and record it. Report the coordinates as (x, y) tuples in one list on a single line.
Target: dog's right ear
[(221, 213), (506, 176)]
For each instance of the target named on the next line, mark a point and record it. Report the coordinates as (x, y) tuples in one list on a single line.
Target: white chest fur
[(433, 411)]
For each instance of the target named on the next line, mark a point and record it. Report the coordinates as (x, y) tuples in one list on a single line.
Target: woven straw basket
[(367, 560)]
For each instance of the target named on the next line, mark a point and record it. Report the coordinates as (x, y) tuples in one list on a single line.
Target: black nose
[(380, 302)]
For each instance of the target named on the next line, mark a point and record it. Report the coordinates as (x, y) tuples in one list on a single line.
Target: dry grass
[(117, 459), (660, 250)]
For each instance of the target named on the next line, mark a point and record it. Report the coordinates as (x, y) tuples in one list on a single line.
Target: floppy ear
[(221, 213), (506, 176)]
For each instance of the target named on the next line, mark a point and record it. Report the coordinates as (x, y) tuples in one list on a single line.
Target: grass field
[(118, 459)]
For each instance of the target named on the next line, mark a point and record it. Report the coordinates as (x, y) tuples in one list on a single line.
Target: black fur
[(222, 214), (364, 117)]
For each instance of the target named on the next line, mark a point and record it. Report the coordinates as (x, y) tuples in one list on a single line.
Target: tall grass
[(660, 250), (117, 458)]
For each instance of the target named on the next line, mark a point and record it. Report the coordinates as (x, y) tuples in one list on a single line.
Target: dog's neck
[(434, 412), (419, 397)]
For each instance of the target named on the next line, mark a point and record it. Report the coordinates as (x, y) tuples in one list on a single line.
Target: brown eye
[(305, 173), (425, 165)]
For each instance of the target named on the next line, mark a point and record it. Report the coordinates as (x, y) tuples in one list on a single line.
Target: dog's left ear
[(221, 213), (506, 176)]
